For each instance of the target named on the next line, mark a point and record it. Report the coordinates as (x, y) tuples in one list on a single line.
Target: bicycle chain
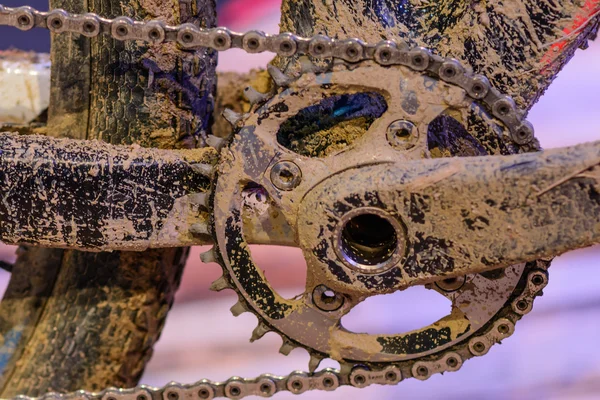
[(384, 53)]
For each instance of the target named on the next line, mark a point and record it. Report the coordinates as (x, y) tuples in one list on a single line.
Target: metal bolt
[(402, 135), (326, 299), (286, 175)]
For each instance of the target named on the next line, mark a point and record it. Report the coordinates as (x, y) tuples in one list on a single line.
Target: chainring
[(352, 108)]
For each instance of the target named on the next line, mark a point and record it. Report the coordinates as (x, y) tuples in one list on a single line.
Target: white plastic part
[(24, 85)]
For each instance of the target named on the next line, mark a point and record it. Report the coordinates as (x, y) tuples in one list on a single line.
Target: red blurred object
[(236, 13)]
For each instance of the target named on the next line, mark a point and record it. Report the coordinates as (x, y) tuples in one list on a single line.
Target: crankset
[(388, 165)]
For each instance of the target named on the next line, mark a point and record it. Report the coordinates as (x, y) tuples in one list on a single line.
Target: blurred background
[(554, 353)]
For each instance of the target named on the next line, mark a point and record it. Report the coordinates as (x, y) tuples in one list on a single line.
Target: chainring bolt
[(285, 175), (402, 135), (326, 299)]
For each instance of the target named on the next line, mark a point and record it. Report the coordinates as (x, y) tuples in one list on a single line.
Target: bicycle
[(359, 174)]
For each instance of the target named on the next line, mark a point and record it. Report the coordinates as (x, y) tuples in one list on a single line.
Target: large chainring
[(345, 118)]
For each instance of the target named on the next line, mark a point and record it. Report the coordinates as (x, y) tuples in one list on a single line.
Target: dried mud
[(518, 45)]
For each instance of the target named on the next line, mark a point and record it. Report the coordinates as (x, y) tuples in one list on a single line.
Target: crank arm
[(93, 196), (454, 216)]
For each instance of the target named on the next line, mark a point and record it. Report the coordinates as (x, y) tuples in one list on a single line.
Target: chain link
[(287, 45)]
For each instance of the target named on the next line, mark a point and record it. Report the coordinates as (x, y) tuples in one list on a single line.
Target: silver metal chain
[(385, 53), (286, 44)]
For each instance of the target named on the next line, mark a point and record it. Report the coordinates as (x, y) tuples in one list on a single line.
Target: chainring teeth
[(447, 360)]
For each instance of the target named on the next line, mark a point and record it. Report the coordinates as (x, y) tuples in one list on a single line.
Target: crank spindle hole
[(368, 239)]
